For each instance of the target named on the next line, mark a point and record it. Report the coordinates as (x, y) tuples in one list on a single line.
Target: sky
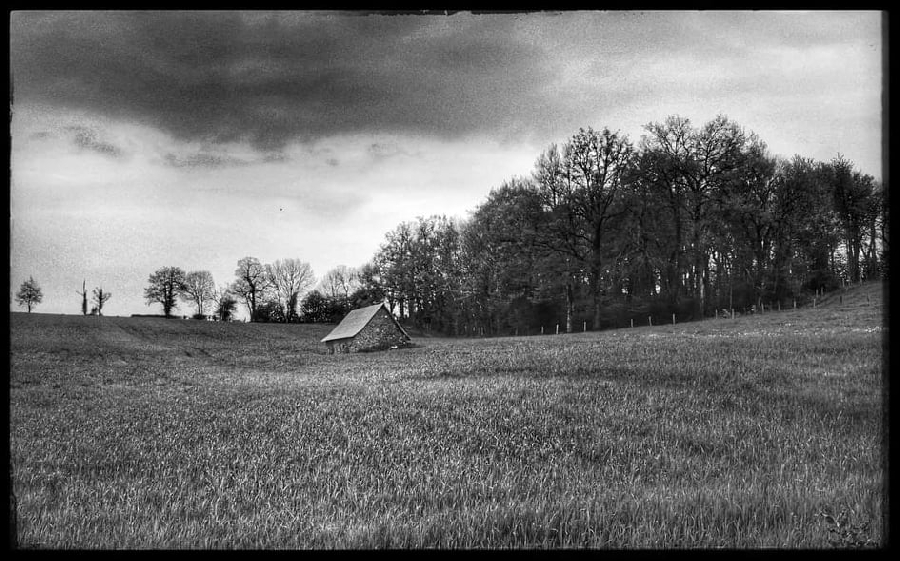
[(142, 140)]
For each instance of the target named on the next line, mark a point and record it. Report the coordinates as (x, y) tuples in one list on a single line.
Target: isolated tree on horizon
[(29, 294), (198, 288), (165, 286), (100, 298)]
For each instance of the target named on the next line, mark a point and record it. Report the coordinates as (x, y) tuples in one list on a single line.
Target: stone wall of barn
[(380, 333)]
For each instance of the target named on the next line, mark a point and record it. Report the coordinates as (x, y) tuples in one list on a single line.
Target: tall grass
[(140, 433)]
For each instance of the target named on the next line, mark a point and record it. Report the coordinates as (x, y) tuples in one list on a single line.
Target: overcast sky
[(150, 139)]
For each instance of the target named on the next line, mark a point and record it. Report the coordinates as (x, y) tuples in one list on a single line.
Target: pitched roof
[(355, 321)]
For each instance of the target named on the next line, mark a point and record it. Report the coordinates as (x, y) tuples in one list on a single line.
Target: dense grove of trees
[(691, 221)]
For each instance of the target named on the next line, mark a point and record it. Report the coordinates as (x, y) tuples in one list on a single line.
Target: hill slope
[(752, 432), (71, 336)]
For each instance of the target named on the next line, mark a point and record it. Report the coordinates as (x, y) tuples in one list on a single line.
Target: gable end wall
[(380, 333)]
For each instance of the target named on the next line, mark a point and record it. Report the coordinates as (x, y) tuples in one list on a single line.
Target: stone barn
[(372, 328)]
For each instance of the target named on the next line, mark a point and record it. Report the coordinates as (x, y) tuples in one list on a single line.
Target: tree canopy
[(164, 287), (693, 220), (29, 294)]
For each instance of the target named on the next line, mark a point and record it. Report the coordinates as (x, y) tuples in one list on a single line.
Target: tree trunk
[(596, 294), (675, 261), (697, 274)]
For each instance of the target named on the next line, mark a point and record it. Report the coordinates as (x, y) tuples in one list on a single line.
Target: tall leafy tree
[(646, 234), (370, 290), (163, 288), (747, 207), (100, 298), (802, 214), (694, 166), (560, 230), (505, 273), (29, 294), (316, 307), (874, 224), (199, 289), (416, 269), (854, 196), (393, 261), (440, 271), (579, 187), (289, 279), (252, 283)]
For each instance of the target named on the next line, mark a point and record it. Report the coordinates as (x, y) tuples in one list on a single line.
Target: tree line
[(272, 292), (691, 221)]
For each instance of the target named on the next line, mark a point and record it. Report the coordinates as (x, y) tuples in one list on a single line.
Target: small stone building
[(371, 328)]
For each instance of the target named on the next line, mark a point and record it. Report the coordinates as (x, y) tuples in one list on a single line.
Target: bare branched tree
[(251, 284), (100, 298), (84, 298), (341, 281), (198, 288), (290, 279)]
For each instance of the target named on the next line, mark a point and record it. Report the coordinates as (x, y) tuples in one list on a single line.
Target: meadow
[(755, 432)]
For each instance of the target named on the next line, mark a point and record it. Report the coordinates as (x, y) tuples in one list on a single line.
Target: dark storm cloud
[(269, 78)]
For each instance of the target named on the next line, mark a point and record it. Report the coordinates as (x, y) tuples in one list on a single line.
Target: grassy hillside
[(762, 431)]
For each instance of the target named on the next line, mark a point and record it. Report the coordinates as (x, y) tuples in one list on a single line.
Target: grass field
[(762, 431)]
